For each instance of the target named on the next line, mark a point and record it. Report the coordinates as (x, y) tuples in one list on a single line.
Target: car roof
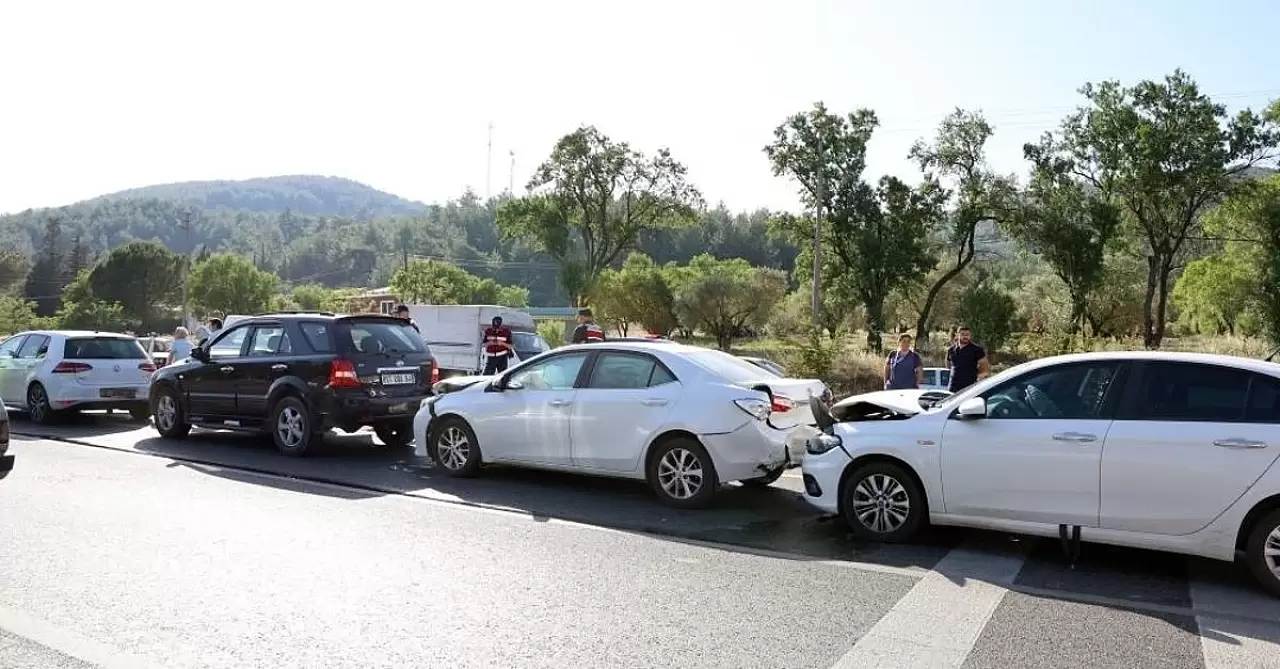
[(639, 345), (1239, 362), (73, 333)]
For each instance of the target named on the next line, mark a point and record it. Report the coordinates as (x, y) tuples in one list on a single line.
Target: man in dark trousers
[(967, 360), (587, 329), (497, 347)]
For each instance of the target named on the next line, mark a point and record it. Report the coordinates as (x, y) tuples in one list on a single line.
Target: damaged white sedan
[(1163, 451), (684, 418)]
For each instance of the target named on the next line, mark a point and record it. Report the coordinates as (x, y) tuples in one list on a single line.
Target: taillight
[(147, 367), (756, 407), (781, 404), (342, 374), (435, 372), (65, 367)]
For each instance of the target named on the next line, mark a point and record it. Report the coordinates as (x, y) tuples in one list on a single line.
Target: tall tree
[(46, 279), (13, 270), (1166, 153), (78, 259), (145, 279), (957, 159), (1251, 217), (1069, 226), (590, 200), (723, 297), (226, 283)]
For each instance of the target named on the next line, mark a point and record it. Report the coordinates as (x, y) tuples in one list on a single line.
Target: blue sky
[(98, 96)]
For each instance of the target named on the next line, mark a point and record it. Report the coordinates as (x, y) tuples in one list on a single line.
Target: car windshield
[(382, 336), (103, 348), (727, 367), (529, 342)]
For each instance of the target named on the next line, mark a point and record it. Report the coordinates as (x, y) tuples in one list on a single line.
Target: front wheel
[(292, 427), (681, 474), (454, 448), (1263, 552), (395, 435), (171, 417), (881, 502)]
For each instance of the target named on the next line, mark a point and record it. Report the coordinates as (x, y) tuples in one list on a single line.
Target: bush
[(554, 331)]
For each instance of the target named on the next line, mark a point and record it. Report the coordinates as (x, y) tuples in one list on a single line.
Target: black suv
[(295, 376)]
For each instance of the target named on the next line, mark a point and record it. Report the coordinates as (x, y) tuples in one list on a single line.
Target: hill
[(300, 194)]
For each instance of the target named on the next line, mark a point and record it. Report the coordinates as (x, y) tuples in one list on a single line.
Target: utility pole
[(817, 235), (511, 175), (184, 223), (488, 166)]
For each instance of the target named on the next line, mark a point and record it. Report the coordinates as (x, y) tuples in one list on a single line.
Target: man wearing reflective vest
[(587, 329), (497, 347)]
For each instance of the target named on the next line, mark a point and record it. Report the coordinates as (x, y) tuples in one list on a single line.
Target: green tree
[(957, 159), (45, 279), (226, 283), (990, 312), (17, 314), (436, 282), (1067, 225), (591, 199), (310, 297), (145, 279), (1214, 292), (1252, 216), (13, 270), (636, 293), (81, 310), (1167, 154), (727, 296)]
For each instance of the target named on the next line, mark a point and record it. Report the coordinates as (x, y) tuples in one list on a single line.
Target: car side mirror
[(512, 385), (974, 407)]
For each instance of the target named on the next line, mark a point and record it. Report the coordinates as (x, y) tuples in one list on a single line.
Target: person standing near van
[(497, 347), (904, 370), (587, 329), (967, 360)]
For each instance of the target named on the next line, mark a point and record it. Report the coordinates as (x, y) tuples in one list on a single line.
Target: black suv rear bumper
[(351, 411)]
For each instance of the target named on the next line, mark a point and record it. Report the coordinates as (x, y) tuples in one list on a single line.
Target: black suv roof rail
[(295, 313)]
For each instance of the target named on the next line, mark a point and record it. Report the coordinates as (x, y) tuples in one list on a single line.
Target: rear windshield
[(384, 337), (529, 342), (103, 348), (730, 368)]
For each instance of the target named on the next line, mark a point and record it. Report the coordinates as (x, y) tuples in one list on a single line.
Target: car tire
[(681, 473), (1265, 536), (395, 435), (881, 502), (764, 481), (454, 448), (38, 407), (171, 416), (292, 427)]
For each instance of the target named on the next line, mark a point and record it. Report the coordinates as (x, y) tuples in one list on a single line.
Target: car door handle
[(279, 367), (560, 403), (227, 369), (1076, 437), (1240, 443), (653, 402)]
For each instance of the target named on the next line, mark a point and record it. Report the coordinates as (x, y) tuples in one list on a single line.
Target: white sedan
[(1164, 451), (684, 418), (48, 372)]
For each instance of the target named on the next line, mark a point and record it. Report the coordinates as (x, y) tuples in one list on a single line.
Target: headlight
[(819, 444), (756, 407)]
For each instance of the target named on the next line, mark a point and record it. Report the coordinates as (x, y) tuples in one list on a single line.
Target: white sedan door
[(530, 423), (617, 412), (1035, 456), (1188, 441), (12, 390)]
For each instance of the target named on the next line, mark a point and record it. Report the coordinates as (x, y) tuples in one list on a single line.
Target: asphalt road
[(217, 552)]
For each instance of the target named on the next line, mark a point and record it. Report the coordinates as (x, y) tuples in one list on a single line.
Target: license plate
[(116, 393), (399, 379)]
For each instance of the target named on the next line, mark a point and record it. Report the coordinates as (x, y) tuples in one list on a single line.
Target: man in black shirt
[(967, 360), (587, 329)]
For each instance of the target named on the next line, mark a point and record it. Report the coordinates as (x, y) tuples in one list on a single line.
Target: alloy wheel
[(290, 427), (881, 503), (1271, 551), (680, 473), (453, 448), (37, 404), (166, 413)]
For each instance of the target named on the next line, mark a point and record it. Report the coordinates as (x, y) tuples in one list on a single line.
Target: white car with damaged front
[(1163, 451), (684, 418)]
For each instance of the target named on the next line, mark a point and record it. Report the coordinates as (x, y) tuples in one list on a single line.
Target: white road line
[(1228, 641), (68, 643), (939, 620)]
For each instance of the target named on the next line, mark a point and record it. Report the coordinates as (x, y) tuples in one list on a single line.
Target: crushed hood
[(886, 404)]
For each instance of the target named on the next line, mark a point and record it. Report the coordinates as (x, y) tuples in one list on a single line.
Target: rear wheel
[(292, 428), (171, 417), (395, 435), (1263, 552), (881, 502), (681, 473), (454, 448), (38, 407)]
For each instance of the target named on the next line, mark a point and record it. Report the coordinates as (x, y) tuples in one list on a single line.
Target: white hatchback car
[(49, 372), (684, 418), (1164, 451)]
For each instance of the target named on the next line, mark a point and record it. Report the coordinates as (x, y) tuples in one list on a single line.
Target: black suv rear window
[(103, 348), (317, 336), (384, 337)]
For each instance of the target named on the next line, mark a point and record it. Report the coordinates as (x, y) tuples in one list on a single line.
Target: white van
[(454, 333)]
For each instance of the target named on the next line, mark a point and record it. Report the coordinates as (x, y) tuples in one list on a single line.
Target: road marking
[(1229, 641), (938, 622), (68, 643)]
